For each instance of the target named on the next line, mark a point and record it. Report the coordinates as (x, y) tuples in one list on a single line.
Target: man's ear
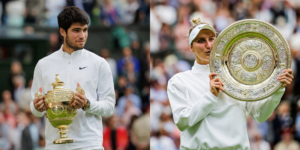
[(62, 32)]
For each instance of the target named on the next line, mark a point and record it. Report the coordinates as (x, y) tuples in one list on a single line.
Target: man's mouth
[(208, 52)]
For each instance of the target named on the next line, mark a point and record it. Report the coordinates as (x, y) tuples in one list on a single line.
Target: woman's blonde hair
[(195, 22)]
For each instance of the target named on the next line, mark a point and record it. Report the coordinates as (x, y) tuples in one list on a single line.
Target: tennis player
[(207, 118)]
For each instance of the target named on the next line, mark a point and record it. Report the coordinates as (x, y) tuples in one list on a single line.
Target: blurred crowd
[(170, 54), (130, 123), (17, 13)]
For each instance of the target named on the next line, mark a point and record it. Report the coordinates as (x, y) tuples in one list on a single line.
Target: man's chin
[(79, 47)]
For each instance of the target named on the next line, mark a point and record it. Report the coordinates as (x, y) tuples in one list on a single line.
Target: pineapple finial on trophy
[(58, 84), (57, 78)]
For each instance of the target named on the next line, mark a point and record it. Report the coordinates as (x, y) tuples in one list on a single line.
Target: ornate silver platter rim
[(258, 29)]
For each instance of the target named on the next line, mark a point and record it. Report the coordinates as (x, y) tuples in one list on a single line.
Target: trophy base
[(63, 141), (63, 136)]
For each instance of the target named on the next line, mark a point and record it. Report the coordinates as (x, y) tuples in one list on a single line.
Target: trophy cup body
[(58, 109)]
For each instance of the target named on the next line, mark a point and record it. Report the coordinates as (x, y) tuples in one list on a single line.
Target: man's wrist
[(87, 105), (85, 102)]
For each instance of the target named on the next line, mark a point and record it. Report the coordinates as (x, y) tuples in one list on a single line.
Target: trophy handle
[(80, 90), (38, 94)]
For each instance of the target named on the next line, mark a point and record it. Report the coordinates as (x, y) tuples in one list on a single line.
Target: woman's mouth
[(208, 52)]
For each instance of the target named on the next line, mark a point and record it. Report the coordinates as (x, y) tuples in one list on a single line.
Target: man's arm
[(187, 115), (105, 93), (36, 84)]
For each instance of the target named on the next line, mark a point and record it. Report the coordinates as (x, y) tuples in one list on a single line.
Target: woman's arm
[(186, 114), (262, 110)]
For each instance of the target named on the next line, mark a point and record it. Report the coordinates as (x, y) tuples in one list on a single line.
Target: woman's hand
[(286, 77), (215, 84)]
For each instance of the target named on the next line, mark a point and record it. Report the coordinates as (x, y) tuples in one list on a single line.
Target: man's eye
[(200, 41), (211, 39)]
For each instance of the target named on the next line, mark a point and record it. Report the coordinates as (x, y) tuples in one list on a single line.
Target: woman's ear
[(191, 48)]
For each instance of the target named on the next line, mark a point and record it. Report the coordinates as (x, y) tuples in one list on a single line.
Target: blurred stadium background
[(169, 48), (118, 31)]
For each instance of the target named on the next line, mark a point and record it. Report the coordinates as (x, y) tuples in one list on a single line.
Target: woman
[(206, 117)]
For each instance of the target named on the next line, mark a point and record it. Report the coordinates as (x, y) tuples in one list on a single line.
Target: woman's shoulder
[(182, 74), (180, 77)]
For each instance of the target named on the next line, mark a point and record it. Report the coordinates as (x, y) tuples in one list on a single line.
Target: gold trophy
[(59, 110)]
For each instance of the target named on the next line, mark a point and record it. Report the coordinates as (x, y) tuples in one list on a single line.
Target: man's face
[(76, 36)]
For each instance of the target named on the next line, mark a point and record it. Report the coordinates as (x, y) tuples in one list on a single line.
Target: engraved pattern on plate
[(262, 29), (220, 46), (282, 55), (250, 61), (254, 27), (267, 63), (218, 66), (244, 58), (244, 27), (248, 76), (269, 33), (254, 45), (236, 58)]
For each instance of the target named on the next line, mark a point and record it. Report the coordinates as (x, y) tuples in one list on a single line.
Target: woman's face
[(202, 45)]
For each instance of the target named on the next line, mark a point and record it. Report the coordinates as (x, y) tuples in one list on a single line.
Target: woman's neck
[(201, 62)]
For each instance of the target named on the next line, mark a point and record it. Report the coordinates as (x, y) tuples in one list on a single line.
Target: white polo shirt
[(208, 122), (94, 75)]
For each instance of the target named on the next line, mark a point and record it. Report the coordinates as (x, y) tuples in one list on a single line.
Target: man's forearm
[(35, 112), (102, 108)]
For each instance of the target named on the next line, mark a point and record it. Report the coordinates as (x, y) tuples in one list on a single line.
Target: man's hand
[(39, 103), (215, 84), (79, 100), (286, 77)]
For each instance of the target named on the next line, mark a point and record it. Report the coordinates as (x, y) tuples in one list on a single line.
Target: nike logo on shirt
[(81, 68)]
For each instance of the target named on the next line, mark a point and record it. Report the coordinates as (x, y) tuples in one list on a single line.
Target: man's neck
[(287, 142), (67, 49)]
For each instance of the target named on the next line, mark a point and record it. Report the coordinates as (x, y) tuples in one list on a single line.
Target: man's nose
[(81, 34)]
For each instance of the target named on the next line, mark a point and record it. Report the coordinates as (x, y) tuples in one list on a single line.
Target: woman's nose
[(209, 44)]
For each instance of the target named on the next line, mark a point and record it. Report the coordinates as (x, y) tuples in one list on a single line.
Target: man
[(76, 67)]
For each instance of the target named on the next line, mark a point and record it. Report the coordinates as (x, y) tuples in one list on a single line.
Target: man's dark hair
[(71, 15)]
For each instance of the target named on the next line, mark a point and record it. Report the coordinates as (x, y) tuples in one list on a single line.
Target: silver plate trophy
[(248, 56)]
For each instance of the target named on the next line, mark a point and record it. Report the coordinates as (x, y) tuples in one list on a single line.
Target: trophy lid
[(58, 84), (58, 87)]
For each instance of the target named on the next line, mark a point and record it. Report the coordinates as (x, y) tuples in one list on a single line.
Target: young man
[(76, 67)]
